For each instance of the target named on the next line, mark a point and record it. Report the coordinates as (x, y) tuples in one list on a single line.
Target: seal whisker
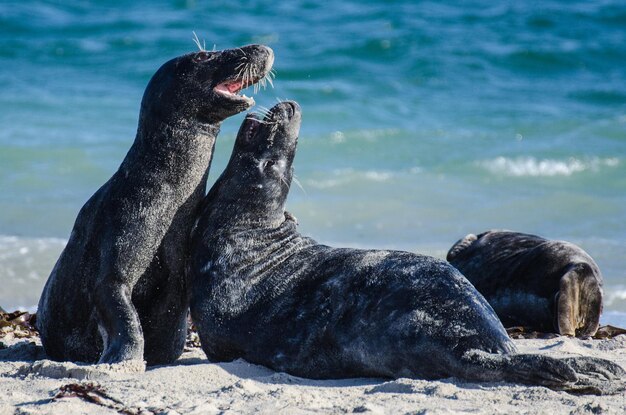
[(196, 40), (248, 76), (244, 78), (260, 114), (242, 72), (264, 110), (297, 182)]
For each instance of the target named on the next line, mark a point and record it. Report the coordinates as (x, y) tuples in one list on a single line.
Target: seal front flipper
[(119, 325)]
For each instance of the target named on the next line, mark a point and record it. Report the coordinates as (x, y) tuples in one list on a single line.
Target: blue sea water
[(422, 121)]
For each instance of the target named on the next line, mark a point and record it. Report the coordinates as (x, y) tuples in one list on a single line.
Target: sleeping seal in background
[(262, 292), (118, 292), (534, 282)]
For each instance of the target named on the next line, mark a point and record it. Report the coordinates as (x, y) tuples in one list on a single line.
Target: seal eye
[(201, 56), (267, 164)]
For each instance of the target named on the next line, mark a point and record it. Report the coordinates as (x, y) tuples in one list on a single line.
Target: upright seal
[(262, 292), (534, 282), (118, 292)]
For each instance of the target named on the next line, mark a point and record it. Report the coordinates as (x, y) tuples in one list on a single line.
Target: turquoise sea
[(422, 121)]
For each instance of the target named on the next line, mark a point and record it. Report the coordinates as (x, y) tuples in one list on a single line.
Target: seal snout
[(250, 65), (286, 111), (269, 59), (292, 108)]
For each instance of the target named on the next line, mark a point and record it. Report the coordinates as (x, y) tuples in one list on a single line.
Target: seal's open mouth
[(281, 113), (231, 88), (254, 122)]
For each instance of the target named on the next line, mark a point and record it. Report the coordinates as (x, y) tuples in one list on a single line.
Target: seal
[(534, 282), (265, 293), (117, 291)]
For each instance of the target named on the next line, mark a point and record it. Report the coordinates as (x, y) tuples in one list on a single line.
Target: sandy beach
[(30, 384)]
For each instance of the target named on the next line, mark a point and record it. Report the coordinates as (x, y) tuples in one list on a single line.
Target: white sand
[(195, 386)]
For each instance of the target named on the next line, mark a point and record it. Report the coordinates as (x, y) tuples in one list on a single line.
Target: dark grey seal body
[(534, 282), (262, 292), (118, 292)]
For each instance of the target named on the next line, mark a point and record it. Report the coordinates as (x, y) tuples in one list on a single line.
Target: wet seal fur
[(263, 292), (533, 282), (117, 292)]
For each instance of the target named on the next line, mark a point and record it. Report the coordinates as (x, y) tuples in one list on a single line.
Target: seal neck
[(260, 241), (225, 208), (175, 133), (177, 153)]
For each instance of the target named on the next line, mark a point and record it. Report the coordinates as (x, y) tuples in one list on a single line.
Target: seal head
[(206, 85), (259, 173)]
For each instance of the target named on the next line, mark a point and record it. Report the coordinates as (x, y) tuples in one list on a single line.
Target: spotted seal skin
[(531, 281), (265, 293), (117, 292)]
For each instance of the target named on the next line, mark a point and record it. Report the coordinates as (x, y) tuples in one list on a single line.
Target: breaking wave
[(530, 166)]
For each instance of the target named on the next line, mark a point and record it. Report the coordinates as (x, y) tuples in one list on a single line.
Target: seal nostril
[(290, 109), (201, 56)]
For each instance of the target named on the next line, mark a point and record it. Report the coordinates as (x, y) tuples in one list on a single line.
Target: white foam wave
[(614, 295), (25, 264), (343, 177), (338, 137), (530, 166)]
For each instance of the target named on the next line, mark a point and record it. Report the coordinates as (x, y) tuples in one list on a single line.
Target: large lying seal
[(117, 292), (262, 292), (534, 282)]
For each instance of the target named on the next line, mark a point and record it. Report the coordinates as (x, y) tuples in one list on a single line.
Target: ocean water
[(422, 121)]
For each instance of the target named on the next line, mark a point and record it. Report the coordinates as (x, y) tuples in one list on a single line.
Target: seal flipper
[(121, 331), (577, 375), (518, 368), (460, 246), (596, 376), (579, 302)]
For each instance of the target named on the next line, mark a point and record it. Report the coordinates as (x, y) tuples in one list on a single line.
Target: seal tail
[(460, 246), (579, 302), (576, 375)]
